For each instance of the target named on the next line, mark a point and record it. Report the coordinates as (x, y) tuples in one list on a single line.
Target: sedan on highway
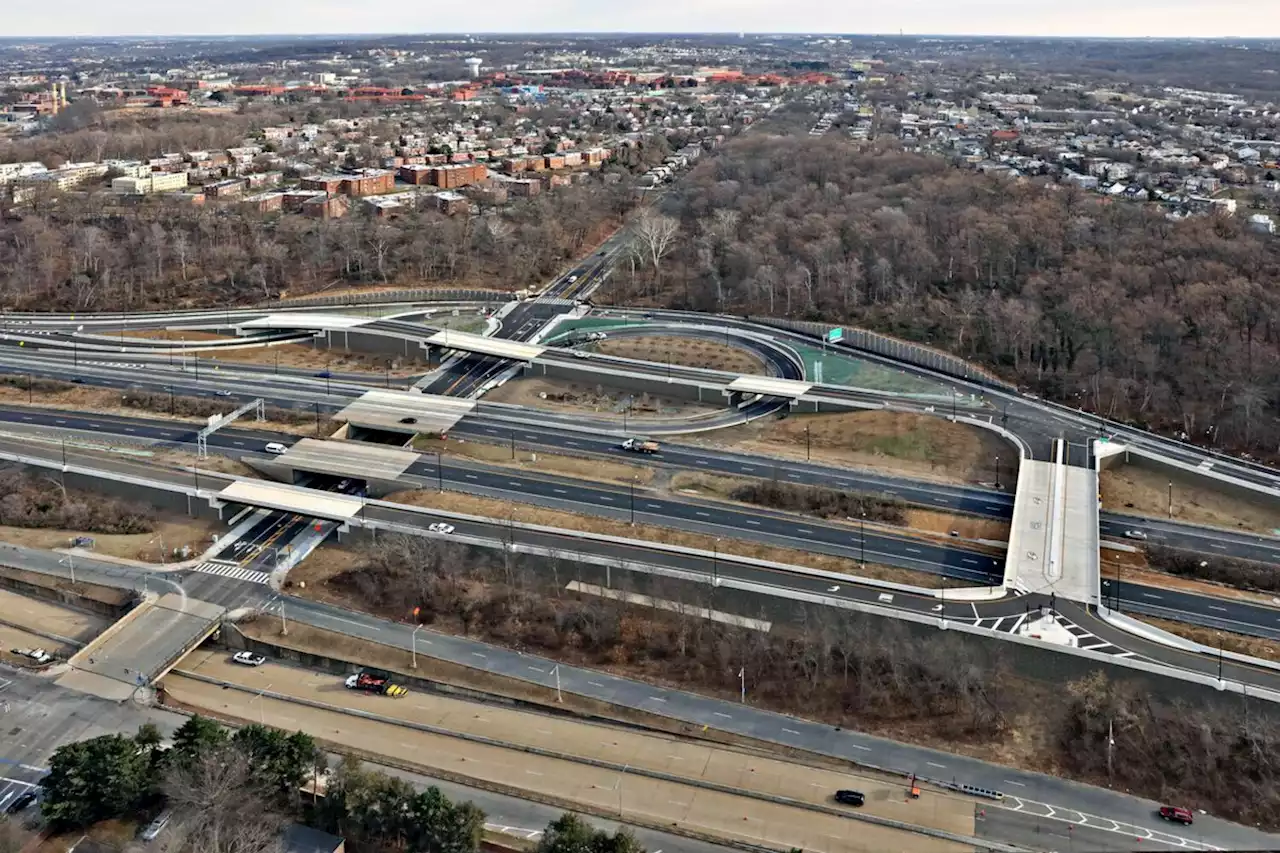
[(1135, 534), (249, 659), (222, 392), (850, 798), (1177, 814), (440, 527)]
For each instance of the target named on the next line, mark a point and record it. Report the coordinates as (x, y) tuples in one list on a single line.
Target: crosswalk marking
[(231, 570), (1084, 639)]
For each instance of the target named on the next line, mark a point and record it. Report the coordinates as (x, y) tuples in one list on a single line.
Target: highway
[(42, 716), (782, 530), (1038, 799)]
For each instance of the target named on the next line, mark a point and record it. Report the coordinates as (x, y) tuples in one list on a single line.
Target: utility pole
[(317, 405), (513, 444), (807, 453), (284, 624), (1171, 499), (439, 470), (742, 682), (413, 660), (632, 484), (556, 670), (715, 563), (1219, 662)]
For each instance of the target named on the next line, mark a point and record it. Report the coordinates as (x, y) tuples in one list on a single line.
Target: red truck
[(372, 681)]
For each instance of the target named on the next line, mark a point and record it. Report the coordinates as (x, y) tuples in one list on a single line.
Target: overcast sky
[(1125, 18)]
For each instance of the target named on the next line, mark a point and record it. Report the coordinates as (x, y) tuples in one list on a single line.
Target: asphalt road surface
[(1035, 793)]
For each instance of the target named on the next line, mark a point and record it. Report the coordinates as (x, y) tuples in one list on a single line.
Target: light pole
[(71, 564), (715, 563), (1171, 499), (556, 671), (413, 660), (440, 470), (997, 472), (742, 682), (806, 443), (632, 484), (284, 624), (862, 540)]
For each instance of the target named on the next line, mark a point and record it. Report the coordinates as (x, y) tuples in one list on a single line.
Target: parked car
[(440, 527), (153, 829), (1135, 534), (850, 798), (249, 659), (1177, 814), (24, 799)]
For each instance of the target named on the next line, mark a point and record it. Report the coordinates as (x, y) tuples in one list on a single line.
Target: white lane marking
[(935, 764)]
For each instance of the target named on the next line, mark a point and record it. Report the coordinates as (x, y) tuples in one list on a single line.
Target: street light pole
[(71, 564), (807, 454), (632, 484), (997, 472), (439, 470), (1171, 499), (413, 661), (862, 539)]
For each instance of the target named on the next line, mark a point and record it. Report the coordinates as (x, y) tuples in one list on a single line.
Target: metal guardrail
[(425, 294)]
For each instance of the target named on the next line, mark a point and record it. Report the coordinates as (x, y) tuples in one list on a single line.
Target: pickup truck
[(636, 445), (375, 682)]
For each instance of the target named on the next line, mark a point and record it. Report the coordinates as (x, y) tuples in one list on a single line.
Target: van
[(276, 447)]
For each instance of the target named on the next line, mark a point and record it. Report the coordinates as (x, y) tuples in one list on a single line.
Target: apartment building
[(156, 182)]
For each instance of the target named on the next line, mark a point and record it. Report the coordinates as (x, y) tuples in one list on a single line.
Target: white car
[(1135, 534), (249, 659), (276, 447), (440, 527), (581, 354)]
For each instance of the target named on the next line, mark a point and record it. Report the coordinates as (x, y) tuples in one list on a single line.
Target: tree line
[(1105, 305), (236, 792)]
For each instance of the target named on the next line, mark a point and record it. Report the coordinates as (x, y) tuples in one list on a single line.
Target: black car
[(850, 798), (25, 799)]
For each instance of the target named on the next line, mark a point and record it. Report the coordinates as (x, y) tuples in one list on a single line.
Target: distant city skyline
[(1083, 18)]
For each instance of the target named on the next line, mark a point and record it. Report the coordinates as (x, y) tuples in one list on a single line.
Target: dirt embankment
[(920, 446)]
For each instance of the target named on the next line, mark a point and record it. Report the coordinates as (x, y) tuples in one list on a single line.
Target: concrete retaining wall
[(64, 596)]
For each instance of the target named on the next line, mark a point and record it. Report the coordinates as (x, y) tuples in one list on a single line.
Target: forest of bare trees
[(85, 257), (1101, 304)]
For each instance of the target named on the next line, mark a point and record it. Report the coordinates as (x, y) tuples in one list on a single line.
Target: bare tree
[(220, 807), (657, 235)]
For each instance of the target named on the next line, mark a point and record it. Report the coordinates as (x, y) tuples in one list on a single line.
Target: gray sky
[(1126, 18)]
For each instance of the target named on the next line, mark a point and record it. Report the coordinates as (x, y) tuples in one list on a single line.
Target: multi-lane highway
[(1036, 804), (779, 529)]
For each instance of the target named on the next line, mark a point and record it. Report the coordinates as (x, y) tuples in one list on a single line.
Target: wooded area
[(156, 255), (1095, 303)]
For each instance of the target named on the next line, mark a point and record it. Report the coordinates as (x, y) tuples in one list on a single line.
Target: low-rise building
[(155, 182)]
